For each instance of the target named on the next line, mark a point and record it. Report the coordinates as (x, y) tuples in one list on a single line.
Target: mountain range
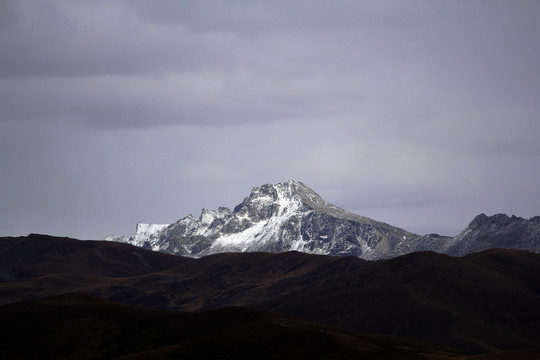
[(290, 216)]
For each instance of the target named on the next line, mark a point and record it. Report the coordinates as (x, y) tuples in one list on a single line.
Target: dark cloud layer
[(418, 113)]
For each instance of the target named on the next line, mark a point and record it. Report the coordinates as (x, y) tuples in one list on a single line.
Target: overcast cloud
[(421, 114)]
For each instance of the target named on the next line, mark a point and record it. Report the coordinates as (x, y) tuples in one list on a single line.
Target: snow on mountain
[(290, 216), (146, 236)]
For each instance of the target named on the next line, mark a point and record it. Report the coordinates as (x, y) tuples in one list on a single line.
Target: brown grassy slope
[(466, 302), (482, 302), (79, 327)]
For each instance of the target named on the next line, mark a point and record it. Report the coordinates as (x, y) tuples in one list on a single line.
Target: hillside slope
[(482, 302)]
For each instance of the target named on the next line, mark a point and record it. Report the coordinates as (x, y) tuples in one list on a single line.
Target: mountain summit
[(290, 216)]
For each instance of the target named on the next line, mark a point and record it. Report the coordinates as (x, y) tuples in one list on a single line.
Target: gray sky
[(421, 114)]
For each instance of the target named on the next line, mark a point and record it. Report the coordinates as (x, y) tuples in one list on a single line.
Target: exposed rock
[(291, 216), (497, 231)]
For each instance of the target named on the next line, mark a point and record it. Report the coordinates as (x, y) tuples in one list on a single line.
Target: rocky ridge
[(497, 231), (290, 216)]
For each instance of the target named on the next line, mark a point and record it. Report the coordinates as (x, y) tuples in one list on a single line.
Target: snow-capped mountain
[(277, 218), (291, 216)]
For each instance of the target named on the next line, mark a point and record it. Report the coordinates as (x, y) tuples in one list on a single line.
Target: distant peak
[(271, 199), (292, 183), (286, 190), (498, 219), (292, 186)]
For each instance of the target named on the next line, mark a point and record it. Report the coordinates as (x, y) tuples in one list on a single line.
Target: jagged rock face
[(290, 216), (146, 235), (497, 231), (277, 218)]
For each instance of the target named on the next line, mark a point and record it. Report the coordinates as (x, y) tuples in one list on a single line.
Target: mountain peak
[(496, 231), (279, 200), (494, 220), (287, 189), (293, 188), (271, 199)]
